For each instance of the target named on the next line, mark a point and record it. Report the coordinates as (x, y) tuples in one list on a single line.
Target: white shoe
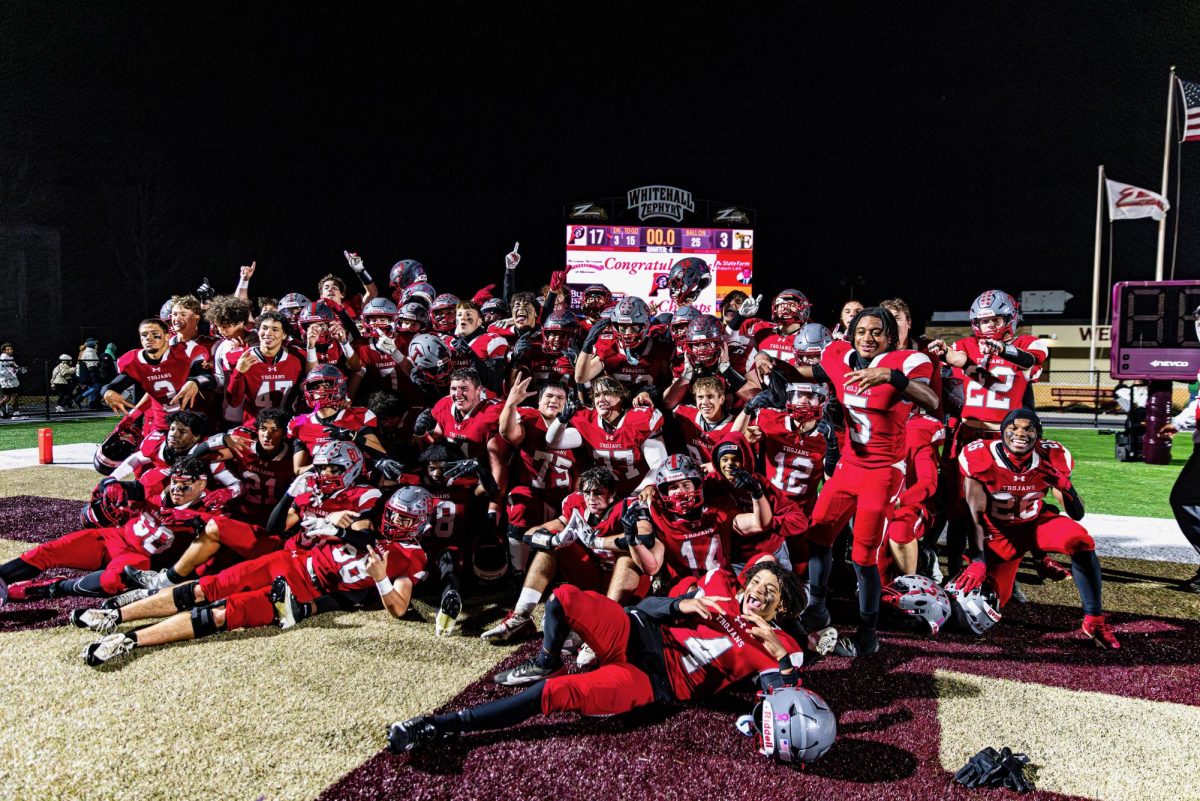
[(107, 648), (101, 620), (147, 579), (823, 641), (126, 598), (513, 627)]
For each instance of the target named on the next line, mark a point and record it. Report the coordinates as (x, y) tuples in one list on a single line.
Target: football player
[(443, 311), (229, 316), (663, 649), (149, 528), (596, 299), (430, 373), (632, 356), (1005, 483), (290, 308), (707, 422), (790, 311), (627, 442), (472, 346), (327, 339), (284, 587), (163, 448), (705, 354), (332, 417), (171, 376), (875, 384), (264, 376), (404, 274), (261, 460), (375, 350), (549, 355)]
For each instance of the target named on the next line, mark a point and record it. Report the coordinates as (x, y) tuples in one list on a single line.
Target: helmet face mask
[(559, 330), (405, 273), (703, 341), (443, 313), (687, 278), (291, 306), (790, 307), (406, 514), (806, 402), (630, 319), (337, 466), (412, 317), (920, 598), (318, 315), (325, 387), (596, 298), (680, 486)]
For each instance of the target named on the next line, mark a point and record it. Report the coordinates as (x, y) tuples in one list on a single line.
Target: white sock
[(527, 601)]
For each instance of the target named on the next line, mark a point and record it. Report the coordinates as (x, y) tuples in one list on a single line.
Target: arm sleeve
[(119, 384), (658, 609), (277, 522), (819, 374), (200, 375), (508, 287)]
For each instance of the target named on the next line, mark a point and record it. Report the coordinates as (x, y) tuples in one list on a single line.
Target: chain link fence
[(1084, 397), (59, 388)]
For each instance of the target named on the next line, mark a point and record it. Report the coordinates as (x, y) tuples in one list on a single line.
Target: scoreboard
[(1154, 330), (635, 259)]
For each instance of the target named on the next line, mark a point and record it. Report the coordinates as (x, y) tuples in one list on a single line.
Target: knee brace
[(184, 596), (203, 621)]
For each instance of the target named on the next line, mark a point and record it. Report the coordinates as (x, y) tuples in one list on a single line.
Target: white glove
[(749, 306)]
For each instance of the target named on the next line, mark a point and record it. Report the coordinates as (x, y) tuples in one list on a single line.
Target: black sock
[(555, 630), (88, 586), (499, 714), (869, 589), (820, 565), (17, 570), (174, 577), (1085, 569)]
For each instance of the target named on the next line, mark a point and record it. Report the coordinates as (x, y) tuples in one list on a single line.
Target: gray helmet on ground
[(977, 611), (921, 598), (794, 725)]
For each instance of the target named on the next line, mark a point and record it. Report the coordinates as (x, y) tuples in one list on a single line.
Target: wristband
[(348, 351), (1010, 351), (384, 585), (365, 276), (898, 380), (243, 284), (312, 354)]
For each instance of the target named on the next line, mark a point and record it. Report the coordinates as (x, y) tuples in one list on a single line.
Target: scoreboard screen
[(635, 260), (1154, 330)]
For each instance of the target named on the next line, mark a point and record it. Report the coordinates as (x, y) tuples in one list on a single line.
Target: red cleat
[(1096, 627), (34, 590), (1050, 570)]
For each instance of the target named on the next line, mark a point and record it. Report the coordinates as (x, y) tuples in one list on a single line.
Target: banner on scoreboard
[(645, 275)]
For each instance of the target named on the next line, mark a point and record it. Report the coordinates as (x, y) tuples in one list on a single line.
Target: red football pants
[(1050, 532), (91, 549), (244, 587), (868, 494), (615, 686)]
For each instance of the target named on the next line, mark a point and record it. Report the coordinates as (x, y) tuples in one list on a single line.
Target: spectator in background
[(87, 370), (108, 363), (63, 381), (10, 382), (851, 308)]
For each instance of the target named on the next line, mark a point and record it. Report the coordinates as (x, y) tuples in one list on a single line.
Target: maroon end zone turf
[(33, 519), (887, 714)]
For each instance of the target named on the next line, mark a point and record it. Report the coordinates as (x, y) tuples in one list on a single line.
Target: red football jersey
[(694, 547), (709, 655), (606, 525), (776, 345), (264, 480), (312, 430), (472, 431), (163, 531), (161, 380), (700, 435), (992, 404), (922, 435), (795, 461), (265, 385), (312, 504), (340, 567), (537, 464), (380, 368), (1013, 498), (619, 447), (649, 363), (875, 417), (485, 345)]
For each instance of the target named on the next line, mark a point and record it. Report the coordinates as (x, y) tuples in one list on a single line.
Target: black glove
[(463, 467), (571, 354), (745, 480), (1010, 772), (425, 423), (978, 768), (521, 348), (763, 400), (205, 292), (589, 344), (361, 539), (340, 434), (389, 469), (633, 513), (461, 347), (568, 412)]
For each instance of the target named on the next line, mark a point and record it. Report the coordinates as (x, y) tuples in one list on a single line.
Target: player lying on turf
[(1005, 482), (283, 587), (663, 649)]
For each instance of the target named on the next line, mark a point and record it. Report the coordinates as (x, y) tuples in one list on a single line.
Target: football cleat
[(445, 624), (929, 565), (1050, 570), (126, 598), (33, 590), (823, 641), (1018, 595), (585, 658), (526, 673), (1096, 627), (146, 579), (107, 648), (287, 608), (406, 735), (513, 628), (857, 646), (101, 620)]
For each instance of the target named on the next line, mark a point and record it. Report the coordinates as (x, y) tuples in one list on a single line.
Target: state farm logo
[(660, 201)]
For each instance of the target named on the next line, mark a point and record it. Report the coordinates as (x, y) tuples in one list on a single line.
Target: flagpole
[(1096, 271), (1162, 224)]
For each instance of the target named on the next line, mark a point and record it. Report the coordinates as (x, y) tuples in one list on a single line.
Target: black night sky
[(933, 149)]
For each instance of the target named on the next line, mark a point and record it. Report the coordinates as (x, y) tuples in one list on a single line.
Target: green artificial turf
[(1107, 486), (66, 432), (1120, 488)]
